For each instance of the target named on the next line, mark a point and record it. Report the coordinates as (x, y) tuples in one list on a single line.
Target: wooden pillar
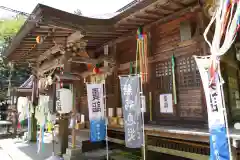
[(145, 145), (52, 98), (74, 90), (34, 104), (63, 133), (116, 79), (63, 123)]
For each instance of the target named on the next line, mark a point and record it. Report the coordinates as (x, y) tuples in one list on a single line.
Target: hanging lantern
[(39, 39), (96, 70), (61, 84), (64, 98), (89, 66)]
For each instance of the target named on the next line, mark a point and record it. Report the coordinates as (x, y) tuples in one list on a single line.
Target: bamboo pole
[(150, 105), (74, 116)]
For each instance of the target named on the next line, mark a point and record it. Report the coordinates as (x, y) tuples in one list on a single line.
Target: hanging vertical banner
[(96, 112), (218, 134), (130, 93)]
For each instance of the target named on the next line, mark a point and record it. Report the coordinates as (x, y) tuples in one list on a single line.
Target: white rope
[(218, 49), (230, 34)]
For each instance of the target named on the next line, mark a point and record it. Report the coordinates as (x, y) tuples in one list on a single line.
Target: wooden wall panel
[(165, 41), (127, 50)]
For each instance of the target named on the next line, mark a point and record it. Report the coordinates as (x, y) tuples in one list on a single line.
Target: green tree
[(8, 29)]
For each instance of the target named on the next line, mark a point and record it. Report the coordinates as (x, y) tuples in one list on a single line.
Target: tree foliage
[(8, 29), (78, 12)]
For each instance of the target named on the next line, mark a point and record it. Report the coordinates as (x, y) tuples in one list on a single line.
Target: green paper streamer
[(173, 80), (131, 68)]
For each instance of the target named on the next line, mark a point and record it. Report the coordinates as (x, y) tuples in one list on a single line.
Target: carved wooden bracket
[(100, 59), (53, 50), (104, 70), (51, 64)]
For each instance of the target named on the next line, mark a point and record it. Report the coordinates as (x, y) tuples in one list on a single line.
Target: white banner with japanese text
[(96, 112), (216, 121), (131, 103)]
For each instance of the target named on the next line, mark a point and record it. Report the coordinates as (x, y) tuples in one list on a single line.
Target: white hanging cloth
[(22, 107), (42, 110)]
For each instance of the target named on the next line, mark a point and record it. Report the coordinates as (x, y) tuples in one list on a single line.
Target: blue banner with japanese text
[(96, 112), (130, 93)]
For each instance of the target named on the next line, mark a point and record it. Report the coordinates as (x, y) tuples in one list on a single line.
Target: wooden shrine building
[(51, 38)]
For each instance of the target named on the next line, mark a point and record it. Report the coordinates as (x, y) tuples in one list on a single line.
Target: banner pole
[(142, 111), (106, 119), (225, 115)]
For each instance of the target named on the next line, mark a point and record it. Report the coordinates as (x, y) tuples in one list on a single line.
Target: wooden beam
[(160, 15), (54, 49), (83, 60), (139, 20), (51, 64), (163, 11), (162, 20), (75, 37), (178, 3), (86, 60), (106, 70), (146, 17), (142, 11)]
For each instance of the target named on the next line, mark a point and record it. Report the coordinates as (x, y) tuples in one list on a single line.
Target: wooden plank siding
[(165, 41)]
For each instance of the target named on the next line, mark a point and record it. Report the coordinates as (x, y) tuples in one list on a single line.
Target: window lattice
[(189, 75), (163, 72), (163, 69)]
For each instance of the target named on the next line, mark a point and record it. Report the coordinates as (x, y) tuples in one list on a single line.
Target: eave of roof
[(107, 28)]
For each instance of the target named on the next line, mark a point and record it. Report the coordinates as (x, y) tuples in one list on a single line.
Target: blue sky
[(88, 7)]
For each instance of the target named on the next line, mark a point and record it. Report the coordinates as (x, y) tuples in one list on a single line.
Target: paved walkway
[(17, 149), (4, 155)]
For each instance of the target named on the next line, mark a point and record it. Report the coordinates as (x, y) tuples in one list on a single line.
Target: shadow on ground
[(30, 149)]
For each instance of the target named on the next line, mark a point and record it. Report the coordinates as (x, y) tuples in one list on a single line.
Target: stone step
[(119, 157)]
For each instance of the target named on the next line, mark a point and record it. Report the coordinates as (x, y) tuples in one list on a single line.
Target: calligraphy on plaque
[(131, 101), (166, 105)]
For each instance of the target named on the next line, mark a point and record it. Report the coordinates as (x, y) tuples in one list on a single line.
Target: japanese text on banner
[(130, 92)]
